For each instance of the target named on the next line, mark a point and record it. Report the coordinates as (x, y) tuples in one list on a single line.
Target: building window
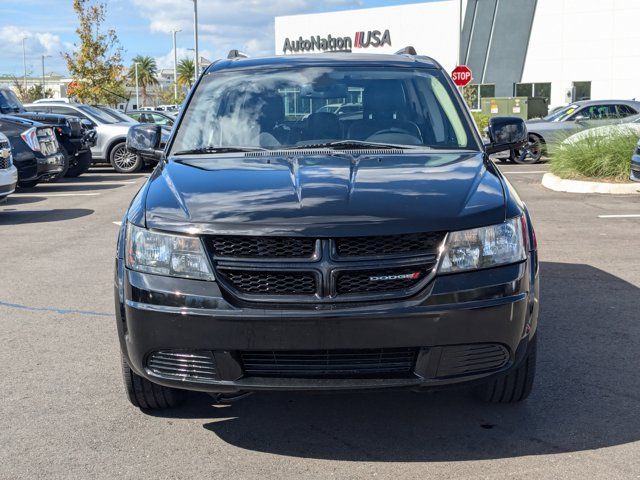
[(582, 91), (533, 90), (474, 93)]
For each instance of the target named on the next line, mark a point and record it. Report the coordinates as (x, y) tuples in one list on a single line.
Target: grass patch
[(596, 157), (482, 121)]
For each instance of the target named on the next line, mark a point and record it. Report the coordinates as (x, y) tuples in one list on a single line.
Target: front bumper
[(8, 181), (635, 166), (498, 306)]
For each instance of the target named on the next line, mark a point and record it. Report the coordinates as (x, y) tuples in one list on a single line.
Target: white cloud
[(223, 25), (166, 61), (35, 45)]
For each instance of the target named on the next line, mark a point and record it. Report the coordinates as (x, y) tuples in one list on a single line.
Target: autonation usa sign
[(372, 38)]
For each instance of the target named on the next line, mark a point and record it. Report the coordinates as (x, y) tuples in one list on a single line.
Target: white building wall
[(586, 40), (430, 27)]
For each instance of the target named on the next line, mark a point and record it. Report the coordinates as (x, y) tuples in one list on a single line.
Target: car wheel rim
[(124, 159)]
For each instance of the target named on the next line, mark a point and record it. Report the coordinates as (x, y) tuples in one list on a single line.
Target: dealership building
[(563, 50)]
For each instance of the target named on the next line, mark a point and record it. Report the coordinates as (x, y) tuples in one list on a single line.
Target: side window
[(625, 111), (597, 112), (67, 111), (160, 120)]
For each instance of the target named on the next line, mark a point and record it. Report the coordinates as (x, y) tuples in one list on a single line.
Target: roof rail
[(233, 54), (408, 50), (344, 50)]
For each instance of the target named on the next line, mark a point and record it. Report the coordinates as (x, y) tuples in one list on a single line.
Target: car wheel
[(147, 395), (531, 152), (123, 161), (516, 385), (83, 162)]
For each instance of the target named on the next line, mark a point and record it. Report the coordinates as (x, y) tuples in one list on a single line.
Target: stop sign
[(461, 75)]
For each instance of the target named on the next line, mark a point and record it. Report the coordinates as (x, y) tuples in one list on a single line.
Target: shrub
[(482, 121), (596, 156)]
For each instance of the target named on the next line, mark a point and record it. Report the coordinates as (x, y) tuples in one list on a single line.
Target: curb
[(552, 182)]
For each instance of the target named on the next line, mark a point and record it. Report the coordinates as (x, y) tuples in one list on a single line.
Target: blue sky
[(143, 26)]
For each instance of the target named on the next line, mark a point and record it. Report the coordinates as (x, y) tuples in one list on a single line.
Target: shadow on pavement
[(586, 395), (14, 200), (45, 188), (9, 217)]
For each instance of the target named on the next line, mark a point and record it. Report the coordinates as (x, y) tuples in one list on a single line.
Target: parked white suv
[(8, 171), (111, 133)]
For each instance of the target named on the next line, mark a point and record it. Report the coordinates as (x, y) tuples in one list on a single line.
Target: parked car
[(111, 134), (167, 108), (158, 118), (628, 125), (270, 254), (74, 138), (8, 171), (635, 165), (34, 148), (545, 134), (54, 100)]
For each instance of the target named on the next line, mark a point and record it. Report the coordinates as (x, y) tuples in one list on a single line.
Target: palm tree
[(147, 71), (185, 71)]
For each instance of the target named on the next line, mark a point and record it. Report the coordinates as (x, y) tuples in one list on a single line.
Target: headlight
[(485, 247), (30, 137), (166, 254)]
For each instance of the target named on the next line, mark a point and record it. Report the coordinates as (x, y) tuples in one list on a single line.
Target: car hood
[(325, 195)]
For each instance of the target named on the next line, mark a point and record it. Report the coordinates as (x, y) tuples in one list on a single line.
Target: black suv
[(74, 137), (35, 150), (278, 247)]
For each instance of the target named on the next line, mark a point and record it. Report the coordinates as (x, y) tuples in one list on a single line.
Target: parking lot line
[(630, 215)]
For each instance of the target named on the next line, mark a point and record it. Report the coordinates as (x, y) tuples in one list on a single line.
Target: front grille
[(196, 366), (48, 142), (380, 280), (262, 247), (377, 362), (324, 270), (409, 244), (271, 283), (468, 359), (5, 154), (75, 125)]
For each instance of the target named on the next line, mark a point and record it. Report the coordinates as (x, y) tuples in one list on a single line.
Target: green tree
[(185, 71), (96, 62), (147, 71)]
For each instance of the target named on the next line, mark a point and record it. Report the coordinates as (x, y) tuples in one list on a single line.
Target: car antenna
[(233, 54), (408, 50)]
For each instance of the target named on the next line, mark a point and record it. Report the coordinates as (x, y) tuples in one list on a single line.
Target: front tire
[(531, 153), (147, 395), (123, 161), (516, 385)]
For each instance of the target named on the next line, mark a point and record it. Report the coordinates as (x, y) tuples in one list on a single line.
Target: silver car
[(111, 133), (546, 133)]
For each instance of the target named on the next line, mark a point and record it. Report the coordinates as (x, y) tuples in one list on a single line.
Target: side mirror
[(580, 119), (144, 139), (506, 133)]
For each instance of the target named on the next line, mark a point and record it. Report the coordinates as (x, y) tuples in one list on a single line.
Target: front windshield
[(276, 109), (562, 114), (97, 114), (9, 103)]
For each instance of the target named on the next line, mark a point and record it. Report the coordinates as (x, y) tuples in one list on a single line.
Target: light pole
[(43, 81), (195, 39), (24, 62), (175, 66), (137, 87)]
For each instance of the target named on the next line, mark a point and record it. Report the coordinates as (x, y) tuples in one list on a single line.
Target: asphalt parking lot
[(63, 412)]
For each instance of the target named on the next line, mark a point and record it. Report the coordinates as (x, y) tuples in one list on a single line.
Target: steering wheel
[(392, 130)]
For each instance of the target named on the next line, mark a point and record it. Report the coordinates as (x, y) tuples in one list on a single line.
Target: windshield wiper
[(229, 149), (355, 144)]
